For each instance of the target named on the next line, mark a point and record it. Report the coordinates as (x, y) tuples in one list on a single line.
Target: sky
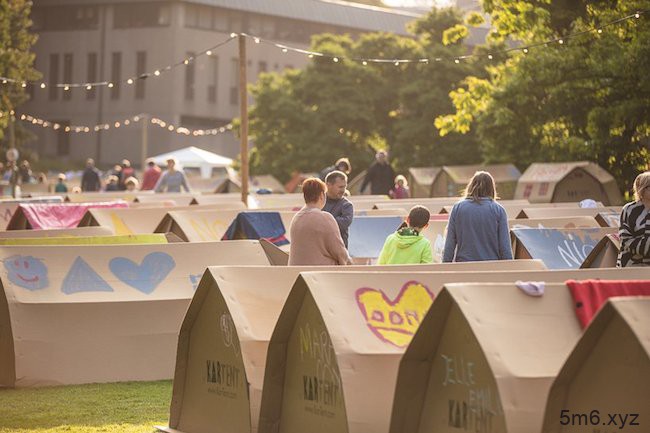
[(407, 3)]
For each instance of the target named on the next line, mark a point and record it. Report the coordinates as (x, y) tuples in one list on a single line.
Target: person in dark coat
[(342, 165), (90, 180), (380, 175), (337, 204)]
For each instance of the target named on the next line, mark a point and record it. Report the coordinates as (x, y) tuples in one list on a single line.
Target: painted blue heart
[(144, 277)]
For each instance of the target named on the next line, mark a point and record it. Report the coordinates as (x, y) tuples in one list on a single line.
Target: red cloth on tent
[(60, 215), (590, 295)]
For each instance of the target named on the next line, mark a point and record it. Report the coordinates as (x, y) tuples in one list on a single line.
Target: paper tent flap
[(558, 248), (255, 297), (54, 215), (82, 314), (609, 368)]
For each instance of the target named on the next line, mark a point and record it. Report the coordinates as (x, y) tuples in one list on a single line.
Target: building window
[(77, 17), (189, 78), (92, 75), (63, 140), (220, 20), (212, 87), (116, 75), (67, 75), (262, 67), (54, 77), (149, 14), (234, 88), (140, 69)]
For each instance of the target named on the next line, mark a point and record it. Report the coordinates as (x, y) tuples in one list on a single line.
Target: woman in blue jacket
[(478, 225)]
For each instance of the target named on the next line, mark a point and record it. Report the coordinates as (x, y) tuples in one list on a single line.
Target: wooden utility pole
[(145, 141), (243, 115)]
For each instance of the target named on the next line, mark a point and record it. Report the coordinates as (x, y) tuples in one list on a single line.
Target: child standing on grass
[(407, 245)]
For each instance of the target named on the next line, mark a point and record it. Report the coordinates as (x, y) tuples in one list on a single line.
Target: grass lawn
[(130, 407)]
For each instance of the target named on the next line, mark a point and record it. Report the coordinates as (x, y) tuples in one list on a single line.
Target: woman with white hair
[(172, 180), (634, 231)]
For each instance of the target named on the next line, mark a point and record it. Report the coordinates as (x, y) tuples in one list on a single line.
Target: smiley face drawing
[(27, 272)]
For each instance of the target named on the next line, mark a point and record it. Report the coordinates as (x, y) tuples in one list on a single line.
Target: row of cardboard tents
[(257, 346)]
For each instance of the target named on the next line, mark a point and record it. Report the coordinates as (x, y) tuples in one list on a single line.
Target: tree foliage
[(584, 99), (16, 58), (304, 120)]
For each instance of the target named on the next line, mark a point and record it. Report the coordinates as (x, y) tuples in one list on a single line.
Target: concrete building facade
[(82, 41)]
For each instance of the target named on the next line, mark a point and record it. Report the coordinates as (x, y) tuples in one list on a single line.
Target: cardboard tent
[(76, 231), (546, 212), (554, 223), (265, 182), (604, 254), (421, 179), (8, 207), (568, 182), (133, 220), (228, 201), (89, 240), (453, 179), (82, 314), (54, 216), (333, 357), (609, 219), (179, 199), (208, 163), (230, 321), (89, 197), (558, 248), (608, 371), (205, 225), (258, 225), (469, 369)]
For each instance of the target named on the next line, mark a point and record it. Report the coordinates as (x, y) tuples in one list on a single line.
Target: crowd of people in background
[(477, 230), (122, 177)]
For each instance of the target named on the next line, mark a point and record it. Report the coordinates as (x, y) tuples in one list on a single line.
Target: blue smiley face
[(27, 272)]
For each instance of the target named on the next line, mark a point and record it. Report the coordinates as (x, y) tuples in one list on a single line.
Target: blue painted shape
[(27, 272), (557, 248), (82, 278), (368, 234), (144, 277), (195, 279)]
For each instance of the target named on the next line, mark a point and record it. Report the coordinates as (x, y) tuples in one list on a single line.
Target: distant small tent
[(209, 164), (264, 182), (567, 182), (421, 179), (452, 179)]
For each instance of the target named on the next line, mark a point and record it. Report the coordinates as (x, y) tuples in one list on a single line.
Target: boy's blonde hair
[(481, 185), (641, 182)]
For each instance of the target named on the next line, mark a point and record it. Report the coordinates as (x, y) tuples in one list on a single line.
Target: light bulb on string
[(129, 81), (23, 85), (66, 88), (42, 85), (364, 63), (525, 50), (208, 53), (456, 61), (257, 40), (637, 15), (110, 85), (89, 87), (335, 59), (490, 56), (561, 41), (600, 31), (157, 73)]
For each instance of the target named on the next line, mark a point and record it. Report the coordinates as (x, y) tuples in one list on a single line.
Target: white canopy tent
[(193, 157)]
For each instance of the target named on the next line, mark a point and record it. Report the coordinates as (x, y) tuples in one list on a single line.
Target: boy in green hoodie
[(407, 245)]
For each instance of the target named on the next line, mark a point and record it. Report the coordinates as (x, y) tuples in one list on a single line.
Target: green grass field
[(132, 407)]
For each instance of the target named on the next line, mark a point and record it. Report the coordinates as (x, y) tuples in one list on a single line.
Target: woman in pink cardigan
[(315, 236)]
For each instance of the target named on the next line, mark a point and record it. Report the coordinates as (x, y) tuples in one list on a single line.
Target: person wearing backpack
[(407, 245)]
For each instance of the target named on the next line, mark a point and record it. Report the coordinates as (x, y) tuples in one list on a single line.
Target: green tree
[(16, 59), (304, 120), (585, 98)]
